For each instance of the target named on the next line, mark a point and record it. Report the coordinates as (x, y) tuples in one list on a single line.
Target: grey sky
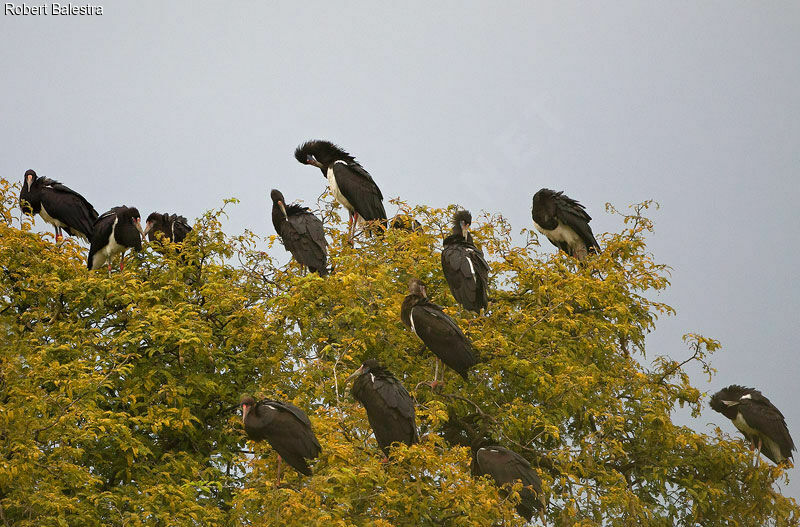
[(175, 106)]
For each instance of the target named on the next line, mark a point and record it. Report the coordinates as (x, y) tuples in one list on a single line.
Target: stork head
[(30, 178), (154, 219), (277, 199), (417, 287), (367, 366), (461, 222), (247, 404), (728, 399), (321, 154)]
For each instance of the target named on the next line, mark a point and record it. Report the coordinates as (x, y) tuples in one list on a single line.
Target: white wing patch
[(472, 269), (746, 396), (335, 188), (372, 377), (411, 317)]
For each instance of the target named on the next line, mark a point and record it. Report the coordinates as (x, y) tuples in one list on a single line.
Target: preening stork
[(350, 183), (285, 427), (172, 227), (565, 222), (506, 467), (758, 419), (464, 267), (301, 232), (114, 232), (390, 408), (439, 332), (58, 205)]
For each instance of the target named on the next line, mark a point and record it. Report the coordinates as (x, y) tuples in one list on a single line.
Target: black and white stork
[(439, 332), (758, 419), (464, 267), (285, 427), (58, 205), (301, 232), (565, 222), (172, 227), (390, 408), (115, 232), (350, 183), (506, 467)]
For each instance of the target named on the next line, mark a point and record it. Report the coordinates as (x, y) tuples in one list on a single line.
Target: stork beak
[(138, 224), (283, 209), (730, 403), (355, 374), (147, 229), (311, 160), (464, 229), (245, 409), (29, 179)]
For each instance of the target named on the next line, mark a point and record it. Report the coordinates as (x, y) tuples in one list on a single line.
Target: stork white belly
[(766, 442), (335, 189), (562, 233), (49, 219), (111, 249)]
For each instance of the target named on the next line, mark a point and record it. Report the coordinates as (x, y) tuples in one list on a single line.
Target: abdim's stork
[(350, 183), (301, 232), (506, 467), (58, 205), (390, 408), (464, 267), (285, 427), (565, 222), (439, 332), (757, 418), (172, 227), (114, 232)]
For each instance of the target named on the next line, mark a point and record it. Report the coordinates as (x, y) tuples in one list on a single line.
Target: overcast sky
[(175, 106)]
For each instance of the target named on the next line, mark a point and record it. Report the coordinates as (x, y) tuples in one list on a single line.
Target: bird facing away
[(757, 418), (301, 232), (114, 232), (390, 408), (171, 226), (507, 467), (565, 223), (464, 267), (58, 205), (350, 183), (285, 427), (439, 332)]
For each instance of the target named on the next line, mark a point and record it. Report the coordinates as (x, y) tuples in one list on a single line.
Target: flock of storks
[(389, 406)]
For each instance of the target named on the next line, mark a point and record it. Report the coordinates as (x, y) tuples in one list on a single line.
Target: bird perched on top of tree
[(302, 233), (58, 205), (565, 222), (350, 183), (464, 267)]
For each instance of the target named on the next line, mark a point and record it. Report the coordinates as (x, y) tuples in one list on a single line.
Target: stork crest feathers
[(324, 151)]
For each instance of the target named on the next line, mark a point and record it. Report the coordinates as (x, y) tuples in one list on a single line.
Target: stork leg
[(758, 453), (122, 261), (59, 236), (109, 267), (435, 383), (278, 482)]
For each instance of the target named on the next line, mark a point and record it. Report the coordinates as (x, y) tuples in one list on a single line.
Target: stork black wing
[(180, 228), (767, 419), (287, 407), (360, 189), (467, 274), (574, 215), (69, 207), (506, 466), (304, 237), (443, 337), (101, 233), (395, 395)]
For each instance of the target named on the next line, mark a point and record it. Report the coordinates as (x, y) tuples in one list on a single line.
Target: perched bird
[(285, 427), (464, 267), (58, 205), (171, 226), (757, 418), (565, 223), (390, 409), (439, 332), (114, 232), (507, 467), (405, 222), (301, 232), (350, 183)]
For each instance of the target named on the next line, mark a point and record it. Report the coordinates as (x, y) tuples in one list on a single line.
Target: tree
[(119, 394)]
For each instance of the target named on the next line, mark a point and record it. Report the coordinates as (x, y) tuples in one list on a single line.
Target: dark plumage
[(507, 467), (757, 418), (58, 205), (350, 183), (390, 408), (464, 267), (439, 332), (301, 232), (565, 223), (172, 227), (405, 222), (285, 427), (114, 232)]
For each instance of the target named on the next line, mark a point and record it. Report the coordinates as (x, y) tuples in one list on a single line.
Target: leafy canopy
[(118, 395)]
